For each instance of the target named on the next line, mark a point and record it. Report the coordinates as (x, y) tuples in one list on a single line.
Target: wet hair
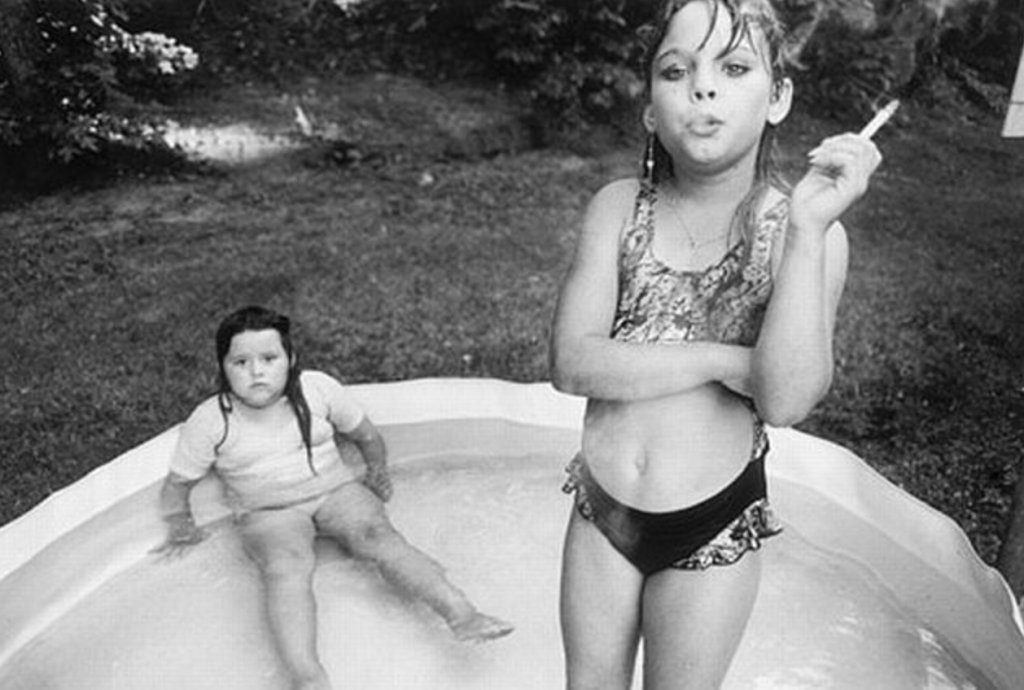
[(255, 318), (745, 17)]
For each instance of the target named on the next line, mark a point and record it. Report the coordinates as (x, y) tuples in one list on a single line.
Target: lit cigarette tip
[(880, 118)]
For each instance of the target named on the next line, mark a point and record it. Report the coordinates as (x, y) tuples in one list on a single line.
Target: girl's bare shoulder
[(612, 205), (205, 425), (621, 192), (207, 412)]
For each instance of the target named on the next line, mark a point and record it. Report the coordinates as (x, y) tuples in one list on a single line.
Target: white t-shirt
[(265, 465)]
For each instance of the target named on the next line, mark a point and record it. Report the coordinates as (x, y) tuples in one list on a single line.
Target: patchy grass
[(421, 260), (930, 384)]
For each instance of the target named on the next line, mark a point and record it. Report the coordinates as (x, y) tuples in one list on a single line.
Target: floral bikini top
[(723, 303)]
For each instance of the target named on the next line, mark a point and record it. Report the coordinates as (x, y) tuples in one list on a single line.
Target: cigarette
[(880, 118)]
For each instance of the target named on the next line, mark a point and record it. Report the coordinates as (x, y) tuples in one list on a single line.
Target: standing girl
[(269, 433), (700, 302)]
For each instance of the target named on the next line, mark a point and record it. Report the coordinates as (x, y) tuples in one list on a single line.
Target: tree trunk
[(1011, 553), (20, 44), (1005, 27)]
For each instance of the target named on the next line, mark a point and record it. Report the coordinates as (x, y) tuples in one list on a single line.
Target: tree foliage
[(912, 49), (71, 78), (578, 60), (574, 59), (850, 66)]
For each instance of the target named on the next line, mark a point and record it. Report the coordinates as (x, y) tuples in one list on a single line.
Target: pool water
[(823, 619)]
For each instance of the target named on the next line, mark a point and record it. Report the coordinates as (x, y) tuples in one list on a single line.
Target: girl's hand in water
[(840, 169), (182, 535), (378, 480)]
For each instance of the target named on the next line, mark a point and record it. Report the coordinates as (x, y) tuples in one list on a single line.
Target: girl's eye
[(736, 69), (673, 72)]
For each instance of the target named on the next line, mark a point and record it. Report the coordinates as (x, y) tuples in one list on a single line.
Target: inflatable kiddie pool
[(866, 587)]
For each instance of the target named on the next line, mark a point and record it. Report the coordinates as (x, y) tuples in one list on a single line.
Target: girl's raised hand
[(838, 175)]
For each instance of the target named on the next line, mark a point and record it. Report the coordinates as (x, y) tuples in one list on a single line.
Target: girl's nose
[(703, 85)]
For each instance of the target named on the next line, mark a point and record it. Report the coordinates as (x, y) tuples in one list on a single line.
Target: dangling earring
[(648, 163)]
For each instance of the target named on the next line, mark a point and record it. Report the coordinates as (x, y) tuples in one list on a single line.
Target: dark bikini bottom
[(716, 531)]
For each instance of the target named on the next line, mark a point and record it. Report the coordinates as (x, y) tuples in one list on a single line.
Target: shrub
[(574, 59), (850, 65), (984, 39), (277, 41), (908, 48), (71, 82)]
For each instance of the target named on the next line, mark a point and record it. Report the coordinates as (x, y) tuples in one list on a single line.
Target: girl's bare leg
[(693, 623), (281, 544), (600, 610), (355, 516)]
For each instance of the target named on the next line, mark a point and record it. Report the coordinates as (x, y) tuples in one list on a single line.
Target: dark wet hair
[(256, 318), (745, 17)]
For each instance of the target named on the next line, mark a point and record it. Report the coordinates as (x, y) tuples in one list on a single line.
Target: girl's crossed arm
[(585, 360)]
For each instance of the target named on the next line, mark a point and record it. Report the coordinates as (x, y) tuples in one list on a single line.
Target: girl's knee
[(281, 566), (598, 676), (281, 560), (373, 540)]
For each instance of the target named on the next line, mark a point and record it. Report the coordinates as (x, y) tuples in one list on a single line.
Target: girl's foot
[(317, 682), (479, 627), (314, 685)]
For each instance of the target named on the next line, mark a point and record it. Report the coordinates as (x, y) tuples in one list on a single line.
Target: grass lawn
[(419, 262)]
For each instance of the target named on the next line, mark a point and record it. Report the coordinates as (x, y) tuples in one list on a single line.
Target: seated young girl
[(270, 435)]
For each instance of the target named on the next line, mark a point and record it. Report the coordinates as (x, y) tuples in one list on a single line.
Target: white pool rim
[(846, 479)]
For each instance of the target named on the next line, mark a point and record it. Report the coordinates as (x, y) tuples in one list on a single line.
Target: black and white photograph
[(512, 344)]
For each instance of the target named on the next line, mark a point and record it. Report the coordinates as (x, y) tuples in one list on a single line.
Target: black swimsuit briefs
[(716, 531)]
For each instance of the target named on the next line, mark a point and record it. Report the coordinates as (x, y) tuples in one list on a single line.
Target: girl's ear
[(648, 118), (781, 101)]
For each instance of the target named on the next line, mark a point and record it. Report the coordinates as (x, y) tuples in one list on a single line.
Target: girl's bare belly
[(668, 453)]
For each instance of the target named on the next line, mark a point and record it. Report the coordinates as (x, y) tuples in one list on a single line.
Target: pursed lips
[(705, 125)]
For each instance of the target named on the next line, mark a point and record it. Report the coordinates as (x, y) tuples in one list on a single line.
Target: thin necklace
[(694, 243)]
